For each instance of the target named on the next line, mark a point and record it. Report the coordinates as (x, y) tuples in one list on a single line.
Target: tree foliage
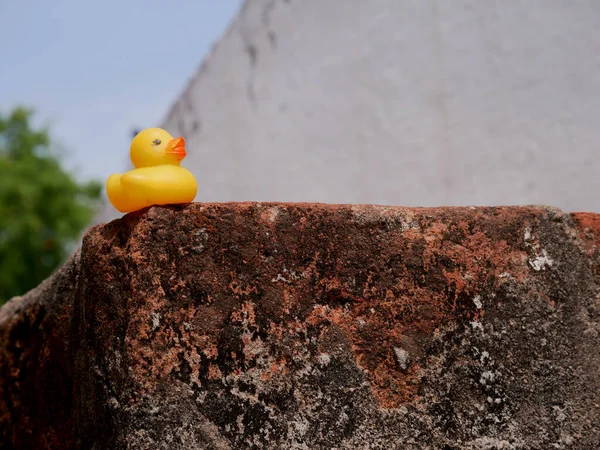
[(43, 208)]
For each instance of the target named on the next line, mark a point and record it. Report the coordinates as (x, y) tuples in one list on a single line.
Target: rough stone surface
[(307, 326), (36, 364)]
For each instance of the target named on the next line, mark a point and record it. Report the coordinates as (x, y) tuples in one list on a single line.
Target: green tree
[(43, 208)]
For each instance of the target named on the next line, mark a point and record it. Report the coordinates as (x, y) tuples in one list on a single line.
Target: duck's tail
[(115, 192)]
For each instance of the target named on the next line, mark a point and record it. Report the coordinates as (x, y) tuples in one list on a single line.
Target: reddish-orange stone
[(273, 325)]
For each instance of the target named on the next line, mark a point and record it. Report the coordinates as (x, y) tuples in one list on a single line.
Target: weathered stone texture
[(307, 326)]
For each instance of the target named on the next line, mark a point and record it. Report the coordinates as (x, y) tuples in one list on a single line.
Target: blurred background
[(393, 102)]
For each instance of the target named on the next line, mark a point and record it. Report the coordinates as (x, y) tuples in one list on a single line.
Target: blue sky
[(96, 70)]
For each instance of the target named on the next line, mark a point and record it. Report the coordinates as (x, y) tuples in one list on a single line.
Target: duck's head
[(155, 147)]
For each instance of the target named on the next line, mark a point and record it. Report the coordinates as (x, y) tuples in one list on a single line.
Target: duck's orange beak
[(176, 147)]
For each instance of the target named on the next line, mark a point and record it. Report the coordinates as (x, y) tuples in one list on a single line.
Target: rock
[(36, 364), (402, 357), (307, 326)]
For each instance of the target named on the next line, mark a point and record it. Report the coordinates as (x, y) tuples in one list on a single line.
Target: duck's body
[(158, 179), (146, 186)]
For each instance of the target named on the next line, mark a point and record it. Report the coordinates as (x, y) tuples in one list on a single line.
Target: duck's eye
[(156, 141)]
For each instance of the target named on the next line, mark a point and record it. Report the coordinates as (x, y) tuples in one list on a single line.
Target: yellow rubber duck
[(157, 178)]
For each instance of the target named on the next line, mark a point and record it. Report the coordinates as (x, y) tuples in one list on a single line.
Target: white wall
[(399, 102)]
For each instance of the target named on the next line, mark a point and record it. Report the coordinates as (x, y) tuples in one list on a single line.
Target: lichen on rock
[(249, 325)]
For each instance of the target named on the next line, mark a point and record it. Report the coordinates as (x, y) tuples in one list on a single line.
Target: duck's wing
[(141, 179), (160, 184), (155, 178)]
